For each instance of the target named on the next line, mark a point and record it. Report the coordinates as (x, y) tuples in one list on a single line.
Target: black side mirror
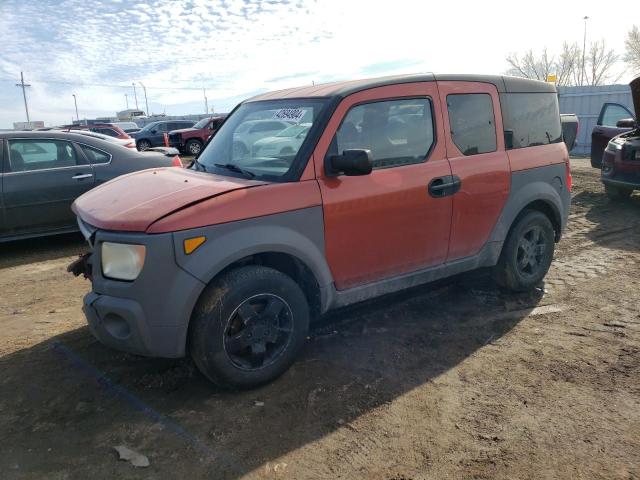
[(626, 123), (351, 163)]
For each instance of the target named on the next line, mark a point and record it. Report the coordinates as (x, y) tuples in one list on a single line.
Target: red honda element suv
[(397, 181)]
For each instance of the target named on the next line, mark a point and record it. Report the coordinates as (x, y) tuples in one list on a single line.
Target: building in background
[(28, 125)]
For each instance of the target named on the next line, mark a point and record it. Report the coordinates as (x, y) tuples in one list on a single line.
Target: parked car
[(129, 142), (621, 157), (613, 120), (570, 125), (152, 135), (128, 127), (253, 130), (285, 142), (107, 129), (191, 140), (399, 181), (43, 172)]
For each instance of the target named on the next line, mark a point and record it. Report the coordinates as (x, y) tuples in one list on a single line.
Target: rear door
[(478, 160), (42, 178), (386, 223), (606, 129)]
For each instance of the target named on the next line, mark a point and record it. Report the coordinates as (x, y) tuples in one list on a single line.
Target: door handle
[(82, 176), (444, 186)]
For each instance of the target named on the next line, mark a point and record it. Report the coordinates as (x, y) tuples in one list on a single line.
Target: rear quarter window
[(532, 119)]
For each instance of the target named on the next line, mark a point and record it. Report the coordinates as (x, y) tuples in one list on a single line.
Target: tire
[(527, 252), (143, 145), (193, 147), (234, 340), (617, 194)]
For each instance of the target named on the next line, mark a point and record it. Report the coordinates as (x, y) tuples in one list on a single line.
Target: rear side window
[(472, 122), (105, 131), (397, 132), (27, 155), (533, 118), (95, 156)]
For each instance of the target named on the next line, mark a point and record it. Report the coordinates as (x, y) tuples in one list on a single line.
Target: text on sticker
[(291, 114)]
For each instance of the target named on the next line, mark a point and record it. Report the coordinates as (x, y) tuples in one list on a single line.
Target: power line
[(101, 85)]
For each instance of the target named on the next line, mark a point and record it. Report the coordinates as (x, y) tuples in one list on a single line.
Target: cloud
[(237, 47)]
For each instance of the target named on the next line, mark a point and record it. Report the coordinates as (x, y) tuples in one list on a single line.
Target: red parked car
[(191, 140), (398, 181)]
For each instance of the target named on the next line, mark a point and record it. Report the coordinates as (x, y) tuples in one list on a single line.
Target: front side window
[(472, 122), (396, 132), (614, 113), (249, 141), (531, 119), (31, 154)]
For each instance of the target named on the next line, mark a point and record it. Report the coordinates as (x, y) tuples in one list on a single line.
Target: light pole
[(24, 94), (135, 95), (584, 47), (206, 102), (75, 102), (126, 99), (145, 97)]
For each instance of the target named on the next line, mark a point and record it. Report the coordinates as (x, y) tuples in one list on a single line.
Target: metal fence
[(586, 102)]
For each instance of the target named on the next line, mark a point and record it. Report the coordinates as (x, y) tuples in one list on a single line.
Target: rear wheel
[(143, 145), (527, 253), (193, 147), (248, 327), (617, 194)]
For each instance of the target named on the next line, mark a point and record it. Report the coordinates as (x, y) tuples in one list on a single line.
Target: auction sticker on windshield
[(291, 114)]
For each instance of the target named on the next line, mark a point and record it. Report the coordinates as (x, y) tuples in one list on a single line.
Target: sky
[(236, 48)]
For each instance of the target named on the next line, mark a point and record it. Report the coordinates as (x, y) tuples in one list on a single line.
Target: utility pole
[(126, 99), (75, 102), (145, 97), (135, 95), (206, 102), (24, 94), (584, 47)]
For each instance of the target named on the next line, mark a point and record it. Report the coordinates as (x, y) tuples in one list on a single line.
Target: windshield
[(149, 126), (246, 140), (202, 123), (294, 130)]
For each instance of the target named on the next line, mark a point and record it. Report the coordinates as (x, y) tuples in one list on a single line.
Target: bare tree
[(530, 66), (632, 47), (567, 66), (600, 61)]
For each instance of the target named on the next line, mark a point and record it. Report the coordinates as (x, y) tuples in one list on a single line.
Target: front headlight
[(613, 147), (122, 261)]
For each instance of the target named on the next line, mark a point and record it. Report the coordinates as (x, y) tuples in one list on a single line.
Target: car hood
[(272, 141), (635, 93), (185, 130), (135, 201)]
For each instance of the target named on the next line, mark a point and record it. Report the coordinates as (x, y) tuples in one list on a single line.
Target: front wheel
[(143, 145), (248, 327), (617, 194), (193, 147), (527, 252)]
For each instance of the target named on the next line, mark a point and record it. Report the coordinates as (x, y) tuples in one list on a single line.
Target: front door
[(606, 129), (386, 223), (42, 178)]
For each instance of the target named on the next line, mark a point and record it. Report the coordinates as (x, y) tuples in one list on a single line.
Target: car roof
[(502, 83), (62, 135)]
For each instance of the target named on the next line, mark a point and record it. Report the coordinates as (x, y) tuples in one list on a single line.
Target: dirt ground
[(454, 380)]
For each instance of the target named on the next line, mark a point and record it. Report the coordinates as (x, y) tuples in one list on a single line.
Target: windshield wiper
[(199, 166), (235, 168)]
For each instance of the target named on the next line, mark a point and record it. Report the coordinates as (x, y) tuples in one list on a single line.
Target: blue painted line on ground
[(138, 405)]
